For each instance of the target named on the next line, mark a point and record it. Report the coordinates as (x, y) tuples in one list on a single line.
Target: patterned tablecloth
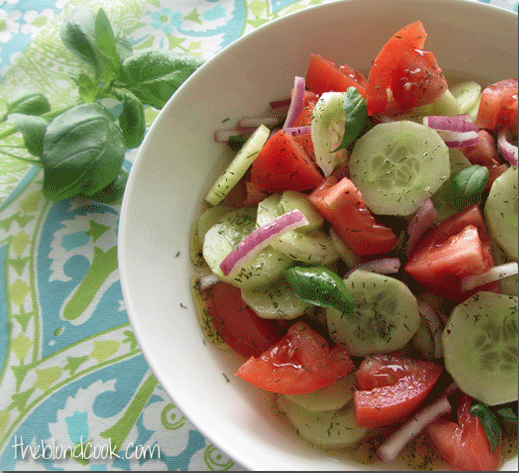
[(71, 372)]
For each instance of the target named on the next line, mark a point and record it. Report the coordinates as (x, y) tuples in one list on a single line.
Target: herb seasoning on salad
[(360, 253)]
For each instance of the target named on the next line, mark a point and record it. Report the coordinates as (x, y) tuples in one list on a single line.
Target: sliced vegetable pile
[(360, 252)]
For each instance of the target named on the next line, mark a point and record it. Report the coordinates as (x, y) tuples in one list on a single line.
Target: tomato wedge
[(404, 72), (301, 362), (464, 444), (324, 75), (498, 107), (390, 387), (342, 204), (239, 326), (456, 248), (282, 164)]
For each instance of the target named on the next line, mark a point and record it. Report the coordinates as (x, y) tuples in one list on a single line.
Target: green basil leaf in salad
[(83, 151), (114, 191), (356, 114), (28, 103), (107, 50), (468, 185), (153, 76), (489, 422), (320, 286), (32, 129), (131, 119)]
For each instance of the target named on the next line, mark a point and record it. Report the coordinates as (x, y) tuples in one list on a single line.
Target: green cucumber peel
[(320, 286), (468, 185), (355, 114), (489, 422)]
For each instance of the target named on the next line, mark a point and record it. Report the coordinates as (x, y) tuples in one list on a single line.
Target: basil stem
[(355, 114), (320, 286), (489, 422), (468, 185)]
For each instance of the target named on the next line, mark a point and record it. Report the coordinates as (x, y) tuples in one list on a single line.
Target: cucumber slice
[(328, 429), (238, 166), (385, 315), (467, 93), (509, 285), (276, 301), (501, 211), (210, 217), (480, 347), (330, 398), (327, 131), (267, 266), (312, 247), (447, 105), (292, 200), (443, 199), (398, 165), (346, 254)]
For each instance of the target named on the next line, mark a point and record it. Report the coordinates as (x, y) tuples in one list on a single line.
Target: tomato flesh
[(464, 444), (391, 387), (456, 248), (403, 73), (324, 75), (301, 362), (239, 326), (342, 204), (498, 106), (282, 164)]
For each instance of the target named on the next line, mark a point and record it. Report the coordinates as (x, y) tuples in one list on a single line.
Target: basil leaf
[(33, 130), (83, 151), (508, 414), (28, 103), (320, 286), (105, 41), (131, 120), (122, 44), (356, 114), (468, 185), (153, 76), (88, 92), (78, 34), (489, 422), (113, 191)]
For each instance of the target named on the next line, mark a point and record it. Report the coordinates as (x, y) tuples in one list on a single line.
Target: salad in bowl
[(359, 252), (363, 300)]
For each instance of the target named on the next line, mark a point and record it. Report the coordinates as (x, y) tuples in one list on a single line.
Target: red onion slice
[(252, 244), (454, 139), (296, 102), (390, 449), (435, 327), (424, 216), (456, 124), (508, 150), (380, 266), (495, 273), (299, 130)]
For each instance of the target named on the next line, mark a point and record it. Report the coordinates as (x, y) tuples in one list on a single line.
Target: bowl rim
[(125, 212)]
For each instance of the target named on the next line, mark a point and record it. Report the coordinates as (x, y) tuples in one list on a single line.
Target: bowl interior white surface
[(179, 160)]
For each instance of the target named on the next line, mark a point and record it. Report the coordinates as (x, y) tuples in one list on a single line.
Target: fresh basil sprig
[(489, 422), (355, 114), (468, 185), (320, 286), (82, 147)]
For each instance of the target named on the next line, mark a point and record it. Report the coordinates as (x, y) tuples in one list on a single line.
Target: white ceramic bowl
[(179, 160)]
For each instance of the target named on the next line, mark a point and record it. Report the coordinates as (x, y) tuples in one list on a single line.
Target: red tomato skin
[(485, 154), (342, 204), (240, 327), (301, 362), (323, 75), (464, 444), (282, 164), (403, 75), (305, 119), (456, 248), (498, 107), (391, 387)]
